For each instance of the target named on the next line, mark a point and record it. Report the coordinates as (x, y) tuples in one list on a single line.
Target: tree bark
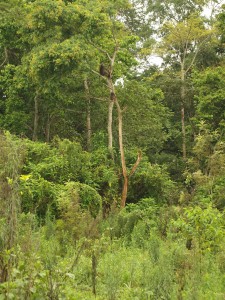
[(110, 121), (94, 273), (184, 151), (126, 176), (36, 117), (113, 100), (47, 129), (88, 100), (122, 155), (110, 116)]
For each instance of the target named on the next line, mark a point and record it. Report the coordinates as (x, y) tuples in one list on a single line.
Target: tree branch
[(136, 164), (101, 50), (6, 57), (196, 53)]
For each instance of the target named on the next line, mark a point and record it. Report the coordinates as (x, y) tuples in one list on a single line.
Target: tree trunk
[(88, 99), (184, 151), (6, 59), (36, 117), (47, 129), (110, 135), (183, 133), (110, 117), (122, 155), (94, 273), (113, 100)]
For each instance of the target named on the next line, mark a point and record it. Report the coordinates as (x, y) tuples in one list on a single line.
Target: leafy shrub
[(82, 194), (104, 175), (136, 221), (38, 194), (151, 181), (204, 226), (61, 162), (78, 206)]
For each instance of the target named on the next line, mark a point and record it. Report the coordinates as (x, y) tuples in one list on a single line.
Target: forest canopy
[(112, 166)]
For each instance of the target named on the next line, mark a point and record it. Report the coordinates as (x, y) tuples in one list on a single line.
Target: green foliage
[(204, 226), (140, 277), (151, 180), (104, 175), (145, 117), (136, 222), (206, 174), (48, 168), (76, 193), (64, 161), (220, 24), (178, 38), (62, 234), (210, 95), (38, 195)]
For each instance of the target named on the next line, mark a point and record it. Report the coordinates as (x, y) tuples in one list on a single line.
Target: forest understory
[(112, 167)]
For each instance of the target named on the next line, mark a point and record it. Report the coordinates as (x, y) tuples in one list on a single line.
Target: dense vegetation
[(112, 168)]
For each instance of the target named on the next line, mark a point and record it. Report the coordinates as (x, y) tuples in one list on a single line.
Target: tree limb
[(196, 53), (136, 164), (101, 50), (6, 57)]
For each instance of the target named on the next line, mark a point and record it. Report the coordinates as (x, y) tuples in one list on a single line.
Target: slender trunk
[(184, 151), (122, 155), (88, 99), (183, 133), (110, 117), (110, 120), (47, 130), (94, 273), (113, 99), (36, 118), (6, 59)]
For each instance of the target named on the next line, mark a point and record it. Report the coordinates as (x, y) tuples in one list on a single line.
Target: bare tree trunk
[(47, 130), (122, 155), (94, 273), (110, 116), (36, 117), (110, 120), (88, 99), (184, 151), (113, 100)]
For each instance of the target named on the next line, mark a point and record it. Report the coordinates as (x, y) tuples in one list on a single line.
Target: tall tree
[(181, 44), (116, 59)]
